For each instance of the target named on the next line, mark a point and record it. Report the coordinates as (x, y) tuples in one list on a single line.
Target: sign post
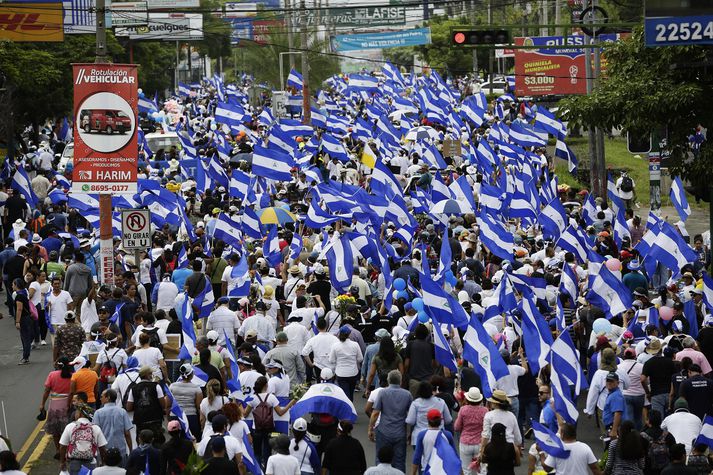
[(136, 231)]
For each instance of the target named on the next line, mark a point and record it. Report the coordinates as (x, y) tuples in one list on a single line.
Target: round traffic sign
[(136, 222), (595, 15)]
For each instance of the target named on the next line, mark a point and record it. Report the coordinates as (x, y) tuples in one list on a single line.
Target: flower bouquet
[(342, 302)]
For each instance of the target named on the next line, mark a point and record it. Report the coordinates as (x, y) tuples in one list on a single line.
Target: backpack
[(657, 454), (208, 454), (147, 407), (262, 416), (626, 184), (154, 339), (108, 371), (82, 445), (129, 388)]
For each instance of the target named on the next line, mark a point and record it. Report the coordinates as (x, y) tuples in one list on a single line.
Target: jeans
[(660, 276), (40, 326), (74, 466), (515, 405), (529, 410), (27, 333), (396, 443), (348, 384), (467, 454), (659, 403), (261, 446), (635, 408)]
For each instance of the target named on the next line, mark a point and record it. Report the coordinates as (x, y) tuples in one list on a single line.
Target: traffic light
[(479, 37)]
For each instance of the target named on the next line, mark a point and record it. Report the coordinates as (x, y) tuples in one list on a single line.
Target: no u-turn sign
[(136, 228)]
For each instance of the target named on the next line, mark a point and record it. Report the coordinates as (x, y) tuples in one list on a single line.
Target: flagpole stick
[(4, 419)]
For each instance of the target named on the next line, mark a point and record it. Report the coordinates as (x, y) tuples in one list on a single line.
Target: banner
[(354, 16), (31, 22), (557, 68), (241, 29), (167, 26), (391, 39), (105, 120)]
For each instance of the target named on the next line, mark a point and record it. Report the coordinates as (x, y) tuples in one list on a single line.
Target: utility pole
[(558, 16), (106, 233), (491, 52), (306, 109), (475, 50), (290, 39)]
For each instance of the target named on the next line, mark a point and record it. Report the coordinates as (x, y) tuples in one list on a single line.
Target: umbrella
[(422, 133), (451, 207), (400, 113), (276, 215)]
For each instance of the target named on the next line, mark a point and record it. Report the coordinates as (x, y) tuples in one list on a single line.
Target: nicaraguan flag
[(444, 460), (547, 121), (271, 246), (609, 293), (679, 200), (204, 300), (548, 442), (334, 148), (249, 459), (341, 263), (233, 383), (178, 413), (495, 237), (706, 434), (568, 282), (189, 335), (116, 316), (361, 82), (147, 106), (230, 114), (22, 184), (250, 223), (272, 164), (227, 230), (670, 249), (182, 262), (554, 219), (561, 391), (240, 272), (294, 80), (441, 306), (184, 90), (708, 291), (572, 240), (565, 153), (296, 246), (480, 350), (444, 353), (535, 334), (325, 398)]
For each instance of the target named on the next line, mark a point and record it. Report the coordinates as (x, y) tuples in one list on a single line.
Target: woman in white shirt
[(346, 358), (279, 385), (213, 401), (36, 290), (150, 356), (500, 414), (303, 449)]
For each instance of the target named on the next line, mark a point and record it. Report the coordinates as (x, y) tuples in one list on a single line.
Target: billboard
[(31, 22), (162, 4), (387, 39), (129, 14), (263, 28), (166, 26), (105, 121), (366, 16), (557, 68)]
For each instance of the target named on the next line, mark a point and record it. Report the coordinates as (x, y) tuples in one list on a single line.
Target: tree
[(647, 89)]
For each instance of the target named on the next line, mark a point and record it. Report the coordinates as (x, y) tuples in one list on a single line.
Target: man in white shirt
[(233, 447), (258, 325), (297, 334), (581, 458), (224, 321), (306, 313), (320, 345), (164, 294), (59, 302), (148, 325), (682, 425)]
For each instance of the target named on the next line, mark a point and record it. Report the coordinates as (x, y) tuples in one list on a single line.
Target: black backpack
[(154, 339), (627, 184), (129, 388), (147, 407)]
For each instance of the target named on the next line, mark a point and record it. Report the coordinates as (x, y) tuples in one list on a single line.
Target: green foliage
[(652, 88), (195, 465)]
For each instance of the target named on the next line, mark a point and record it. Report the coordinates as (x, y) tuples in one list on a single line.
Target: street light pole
[(306, 110)]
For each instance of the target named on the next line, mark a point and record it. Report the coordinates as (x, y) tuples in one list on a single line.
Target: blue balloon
[(422, 316), (417, 304), (402, 295), (399, 284), (601, 325)]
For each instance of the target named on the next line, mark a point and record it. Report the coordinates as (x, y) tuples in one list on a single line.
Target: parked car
[(107, 121)]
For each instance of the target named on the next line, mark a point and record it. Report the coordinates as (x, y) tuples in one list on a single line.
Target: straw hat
[(499, 397)]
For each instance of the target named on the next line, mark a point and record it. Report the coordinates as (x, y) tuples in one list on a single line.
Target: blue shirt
[(614, 403), (369, 353), (393, 404), (179, 277), (52, 244), (5, 255), (114, 422)]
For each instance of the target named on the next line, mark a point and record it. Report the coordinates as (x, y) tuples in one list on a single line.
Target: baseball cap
[(80, 361), (186, 369), (382, 333), (217, 443), (212, 335), (433, 415), (345, 329), (300, 425), (252, 333), (173, 426), (326, 374), (612, 376)]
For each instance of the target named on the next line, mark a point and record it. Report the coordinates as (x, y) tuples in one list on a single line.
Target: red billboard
[(556, 68), (105, 122)]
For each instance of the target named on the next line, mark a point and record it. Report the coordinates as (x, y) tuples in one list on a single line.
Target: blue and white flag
[(609, 293), (184, 89), (706, 434), (234, 382), (548, 442), (272, 164), (205, 300), (565, 153), (340, 257), (22, 184), (679, 200), (251, 462), (671, 249), (554, 219), (294, 80), (496, 238), (568, 282), (227, 230), (573, 241), (708, 291), (188, 350), (250, 223), (178, 413), (561, 391), (182, 262), (147, 106), (334, 148), (230, 114), (545, 120), (296, 246), (480, 350), (325, 398), (271, 246), (443, 351), (363, 82), (444, 460), (441, 306), (445, 260), (535, 334)]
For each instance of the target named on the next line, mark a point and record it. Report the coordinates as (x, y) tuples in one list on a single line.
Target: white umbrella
[(451, 207), (422, 133)]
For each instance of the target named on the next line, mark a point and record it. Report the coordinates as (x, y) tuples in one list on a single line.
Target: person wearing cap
[(634, 395), (387, 422), (71, 457), (289, 357), (297, 333), (597, 395), (302, 448), (697, 390), (317, 349), (291, 278), (370, 372), (690, 351), (68, 338), (682, 425), (426, 440), (346, 357), (223, 321), (635, 279), (689, 283), (188, 396), (281, 462), (615, 410), (656, 377), (469, 423), (500, 414), (176, 451), (59, 303), (115, 423), (218, 461), (84, 380)]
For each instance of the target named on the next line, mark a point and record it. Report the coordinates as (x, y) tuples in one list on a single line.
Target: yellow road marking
[(30, 440), (37, 453)]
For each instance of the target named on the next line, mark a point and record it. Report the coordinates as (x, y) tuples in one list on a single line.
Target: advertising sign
[(557, 68), (167, 26), (263, 28), (129, 14), (136, 228), (389, 39), (240, 29), (355, 16), (105, 139), (33, 22), (684, 30), (161, 4)]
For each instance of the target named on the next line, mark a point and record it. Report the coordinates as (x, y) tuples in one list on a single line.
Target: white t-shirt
[(509, 383), (231, 281), (161, 334), (150, 357), (58, 306), (346, 358), (233, 446), (207, 407), (99, 438), (117, 355), (580, 457), (279, 464)]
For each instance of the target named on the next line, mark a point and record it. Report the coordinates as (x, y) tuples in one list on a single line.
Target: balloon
[(417, 304), (613, 264), (422, 316), (666, 313), (399, 284), (601, 325), (141, 92), (402, 295)]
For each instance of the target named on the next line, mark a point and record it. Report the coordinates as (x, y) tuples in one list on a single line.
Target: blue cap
[(345, 329), (408, 306), (132, 362), (223, 300)]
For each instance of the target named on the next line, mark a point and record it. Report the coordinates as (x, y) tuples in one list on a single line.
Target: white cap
[(80, 361), (300, 425), (326, 374), (212, 335)]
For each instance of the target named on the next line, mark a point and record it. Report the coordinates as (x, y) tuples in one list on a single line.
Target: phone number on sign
[(106, 188)]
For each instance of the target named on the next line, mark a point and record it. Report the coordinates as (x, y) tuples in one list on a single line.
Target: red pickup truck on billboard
[(104, 120)]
